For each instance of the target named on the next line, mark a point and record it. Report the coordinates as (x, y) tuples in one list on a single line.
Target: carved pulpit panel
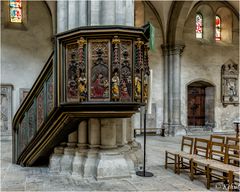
[(72, 61), (6, 109), (126, 70), (99, 61), (230, 86)]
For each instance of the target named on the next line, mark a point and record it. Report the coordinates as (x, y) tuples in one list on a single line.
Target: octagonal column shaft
[(108, 133), (94, 131), (82, 134)]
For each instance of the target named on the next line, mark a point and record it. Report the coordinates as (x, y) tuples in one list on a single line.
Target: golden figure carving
[(115, 86), (82, 82), (138, 87)]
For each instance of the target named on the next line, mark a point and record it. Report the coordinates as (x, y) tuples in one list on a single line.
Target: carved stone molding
[(6, 109), (173, 49), (229, 85)]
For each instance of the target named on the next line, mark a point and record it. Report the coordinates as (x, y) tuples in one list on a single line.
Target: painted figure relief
[(15, 8), (40, 109), (115, 69), (49, 94), (82, 87), (99, 67), (115, 86), (230, 78), (72, 76), (81, 70), (146, 73), (126, 70), (138, 87), (199, 24), (138, 70)]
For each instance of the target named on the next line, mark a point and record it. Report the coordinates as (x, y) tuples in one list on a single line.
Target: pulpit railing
[(35, 110)]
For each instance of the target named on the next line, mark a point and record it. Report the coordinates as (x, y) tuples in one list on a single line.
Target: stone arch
[(179, 12), (226, 23)]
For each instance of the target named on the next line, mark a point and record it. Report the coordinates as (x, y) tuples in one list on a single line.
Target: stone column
[(165, 92), (62, 16), (120, 12), (72, 139), (72, 13), (108, 133), (82, 134), (175, 89), (94, 12), (82, 13), (129, 14), (94, 127), (107, 13), (170, 99)]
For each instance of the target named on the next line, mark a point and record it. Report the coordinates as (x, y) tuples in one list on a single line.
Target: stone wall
[(202, 59), (156, 64), (25, 51)]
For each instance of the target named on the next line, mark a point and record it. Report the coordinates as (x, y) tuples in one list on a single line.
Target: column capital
[(176, 49)]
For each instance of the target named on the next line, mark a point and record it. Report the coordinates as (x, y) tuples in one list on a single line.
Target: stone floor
[(17, 178)]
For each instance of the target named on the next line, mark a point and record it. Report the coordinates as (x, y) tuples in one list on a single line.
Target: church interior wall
[(25, 51), (155, 118), (203, 59)]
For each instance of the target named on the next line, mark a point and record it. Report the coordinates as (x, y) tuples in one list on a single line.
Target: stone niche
[(230, 84), (6, 109)]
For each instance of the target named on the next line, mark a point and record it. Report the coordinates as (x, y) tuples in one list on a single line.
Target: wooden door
[(196, 106)]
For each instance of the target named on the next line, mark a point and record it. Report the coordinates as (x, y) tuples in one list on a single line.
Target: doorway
[(201, 104)]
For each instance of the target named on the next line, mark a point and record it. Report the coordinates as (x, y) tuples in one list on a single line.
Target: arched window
[(218, 28), (15, 11), (199, 26)]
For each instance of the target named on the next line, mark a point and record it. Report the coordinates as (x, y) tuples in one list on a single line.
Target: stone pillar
[(62, 16), (120, 12), (94, 132), (107, 13), (165, 92), (82, 134), (82, 13), (94, 12), (108, 133), (122, 132), (72, 13), (129, 130), (129, 14), (172, 88), (72, 139)]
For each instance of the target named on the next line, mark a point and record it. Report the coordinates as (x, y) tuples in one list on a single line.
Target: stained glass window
[(218, 28), (199, 26), (15, 7)]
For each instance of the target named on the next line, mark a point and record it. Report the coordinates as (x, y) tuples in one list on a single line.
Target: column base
[(177, 130), (98, 163)]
